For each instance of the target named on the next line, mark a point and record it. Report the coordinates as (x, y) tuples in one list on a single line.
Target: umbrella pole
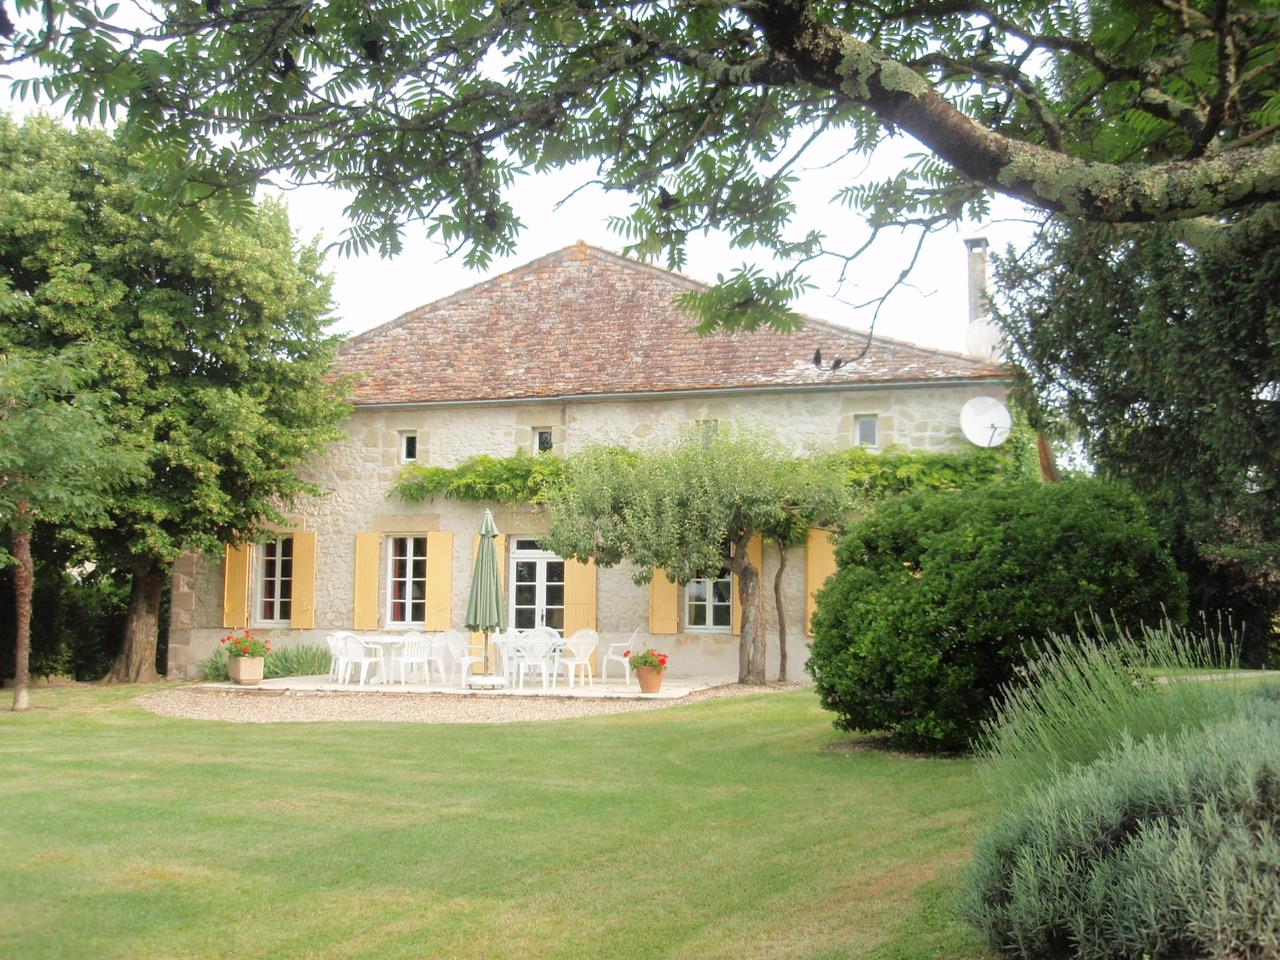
[(486, 653)]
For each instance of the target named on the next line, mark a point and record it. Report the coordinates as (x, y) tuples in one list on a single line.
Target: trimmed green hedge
[(939, 597)]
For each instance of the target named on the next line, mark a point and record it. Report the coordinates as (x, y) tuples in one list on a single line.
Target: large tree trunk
[(830, 58), (1048, 465), (751, 648), (782, 616), (137, 660), (24, 579)]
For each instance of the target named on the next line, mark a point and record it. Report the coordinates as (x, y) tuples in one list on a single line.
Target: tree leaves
[(211, 342), (1162, 360), (426, 110), (60, 460)]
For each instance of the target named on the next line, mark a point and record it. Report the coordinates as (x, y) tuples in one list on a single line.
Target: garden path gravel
[(196, 703)]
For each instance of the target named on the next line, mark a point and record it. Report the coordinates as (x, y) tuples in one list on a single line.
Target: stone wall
[(358, 473)]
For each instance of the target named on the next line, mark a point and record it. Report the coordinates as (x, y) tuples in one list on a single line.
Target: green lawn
[(726, 829)]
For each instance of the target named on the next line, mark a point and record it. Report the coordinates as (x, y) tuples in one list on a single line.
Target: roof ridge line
[(664, 272), (414, 312)]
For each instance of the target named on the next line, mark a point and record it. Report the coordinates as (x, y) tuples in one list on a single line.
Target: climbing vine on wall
[(524, 477), (875, 476), (511, 480)]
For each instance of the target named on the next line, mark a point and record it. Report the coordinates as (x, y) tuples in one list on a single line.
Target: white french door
[(537, 587)]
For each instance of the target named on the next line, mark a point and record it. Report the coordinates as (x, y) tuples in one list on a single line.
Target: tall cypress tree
[(1165, 361)]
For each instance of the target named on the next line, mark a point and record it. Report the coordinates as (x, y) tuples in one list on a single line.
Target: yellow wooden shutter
[(439, 580), (755, 556), (820, 563), (664, 601), (304, 581), (579, 596), (235, 587), (500, 546), (365, 607)]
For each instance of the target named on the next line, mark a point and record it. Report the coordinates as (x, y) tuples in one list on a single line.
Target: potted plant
[(245, 657), (649, 667)]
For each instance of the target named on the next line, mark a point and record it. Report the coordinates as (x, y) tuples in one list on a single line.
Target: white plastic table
[(392, 648)]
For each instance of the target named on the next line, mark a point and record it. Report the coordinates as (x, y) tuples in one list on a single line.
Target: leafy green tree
[(214, 349), (691, 510), (1104, 110), (813, 496), (1162, 359), (59, 460)]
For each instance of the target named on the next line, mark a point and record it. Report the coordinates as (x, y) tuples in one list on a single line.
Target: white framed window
[(407, 581), (536, 577), (868, 430), (408, 446), (544, 440), (708, 603), (274, 581)]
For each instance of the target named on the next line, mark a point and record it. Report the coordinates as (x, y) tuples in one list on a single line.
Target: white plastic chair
[(338, 651), (435, 654), (536, 652), (505, 646), (460, 653), (419, 650), (615, 652), (575, 658), (335, 656), (357, 652)]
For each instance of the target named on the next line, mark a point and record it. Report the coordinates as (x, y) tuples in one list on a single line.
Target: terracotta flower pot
[(650, 679), (246, 671)]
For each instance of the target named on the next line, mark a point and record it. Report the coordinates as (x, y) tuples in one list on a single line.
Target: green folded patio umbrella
[(485, 608)]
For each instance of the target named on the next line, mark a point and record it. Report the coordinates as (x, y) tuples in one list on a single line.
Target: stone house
[(579, 347)]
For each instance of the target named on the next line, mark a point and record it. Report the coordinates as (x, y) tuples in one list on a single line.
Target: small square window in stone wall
[(408, 447), (868, 430), (543, 440)]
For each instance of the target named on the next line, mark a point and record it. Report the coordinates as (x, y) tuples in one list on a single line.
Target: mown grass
[(725, 829)]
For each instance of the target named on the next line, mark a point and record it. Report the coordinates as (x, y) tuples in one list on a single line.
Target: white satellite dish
[(982, 339), (985, 421)]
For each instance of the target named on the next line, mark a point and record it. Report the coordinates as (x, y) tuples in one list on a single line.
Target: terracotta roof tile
[(583, 321)]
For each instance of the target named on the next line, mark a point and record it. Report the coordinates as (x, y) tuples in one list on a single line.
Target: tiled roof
[(583, 321)]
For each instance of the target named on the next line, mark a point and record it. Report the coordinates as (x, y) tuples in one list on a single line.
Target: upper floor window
[(407, 581), (275, 580), (408, 446), (868, 427), (708, 603), (543, 440)]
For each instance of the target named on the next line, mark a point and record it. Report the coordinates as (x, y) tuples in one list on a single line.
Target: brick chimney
[(982, 337)]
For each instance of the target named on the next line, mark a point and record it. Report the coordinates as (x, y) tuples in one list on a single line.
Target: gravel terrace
[(197, 703)]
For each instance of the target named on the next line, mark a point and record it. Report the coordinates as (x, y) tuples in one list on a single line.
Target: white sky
[(932, 310)]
